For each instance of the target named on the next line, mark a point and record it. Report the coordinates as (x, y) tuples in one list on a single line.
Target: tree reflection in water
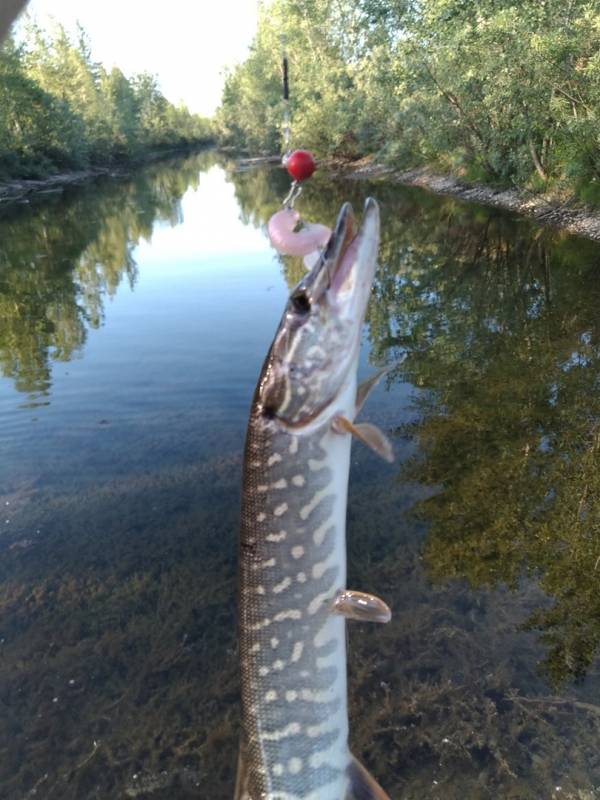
[(59, 264), (499, 326)]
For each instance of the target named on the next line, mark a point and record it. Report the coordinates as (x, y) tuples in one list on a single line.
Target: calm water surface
[(134, 316)]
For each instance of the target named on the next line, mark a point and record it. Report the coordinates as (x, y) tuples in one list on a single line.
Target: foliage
[(497, 91), (60, 109)]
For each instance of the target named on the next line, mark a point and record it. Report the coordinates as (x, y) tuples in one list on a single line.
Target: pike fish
[(293, 599)]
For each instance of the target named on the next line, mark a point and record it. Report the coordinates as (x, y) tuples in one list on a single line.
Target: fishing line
[(286, 111), (289, 234), (295, 189)]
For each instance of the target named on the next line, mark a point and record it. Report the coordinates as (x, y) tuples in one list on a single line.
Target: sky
[(187, 46)]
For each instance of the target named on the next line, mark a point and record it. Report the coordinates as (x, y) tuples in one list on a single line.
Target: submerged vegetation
[(497, 91), (59, 109)]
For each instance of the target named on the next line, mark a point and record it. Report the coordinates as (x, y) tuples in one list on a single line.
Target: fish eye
[(269, 412), (300, 302)]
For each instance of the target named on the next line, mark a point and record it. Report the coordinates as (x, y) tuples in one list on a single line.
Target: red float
[(301, 165)]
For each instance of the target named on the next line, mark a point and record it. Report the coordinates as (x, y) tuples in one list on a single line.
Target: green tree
[(37, 129), (489, 90), (60, 109)]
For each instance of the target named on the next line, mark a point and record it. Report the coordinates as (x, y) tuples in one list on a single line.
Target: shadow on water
[(117, 618)]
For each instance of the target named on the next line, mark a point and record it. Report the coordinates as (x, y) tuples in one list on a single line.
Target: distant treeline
[(492, 89), (59, 109)]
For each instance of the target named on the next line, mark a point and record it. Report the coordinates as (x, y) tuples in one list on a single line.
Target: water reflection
[(59, 265), (500, 328), (118, 672)]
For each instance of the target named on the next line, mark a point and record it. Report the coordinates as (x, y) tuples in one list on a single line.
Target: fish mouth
[(324, 314), (344, 272), (339, 241), (350, 256)]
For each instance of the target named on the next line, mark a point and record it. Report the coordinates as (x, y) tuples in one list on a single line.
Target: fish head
[(315, 350)]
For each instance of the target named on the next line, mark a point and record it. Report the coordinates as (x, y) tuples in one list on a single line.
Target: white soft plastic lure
[(288, 241)]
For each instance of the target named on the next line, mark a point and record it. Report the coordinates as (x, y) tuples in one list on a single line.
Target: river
[(134, 317)]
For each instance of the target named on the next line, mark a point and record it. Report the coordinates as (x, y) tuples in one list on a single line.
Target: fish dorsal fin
[(363, 785), (242, 791), (368, 434), (361, 606)]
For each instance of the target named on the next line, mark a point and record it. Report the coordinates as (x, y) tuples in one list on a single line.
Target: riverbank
[(546, 209), (17, 190)]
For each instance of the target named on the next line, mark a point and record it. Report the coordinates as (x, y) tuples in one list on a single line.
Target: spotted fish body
[(294, 742)]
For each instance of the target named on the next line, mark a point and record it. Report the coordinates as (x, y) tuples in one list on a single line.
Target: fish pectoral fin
[(242, 791), (368, 434), (363, 785), (367, 386), (361, 606)]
